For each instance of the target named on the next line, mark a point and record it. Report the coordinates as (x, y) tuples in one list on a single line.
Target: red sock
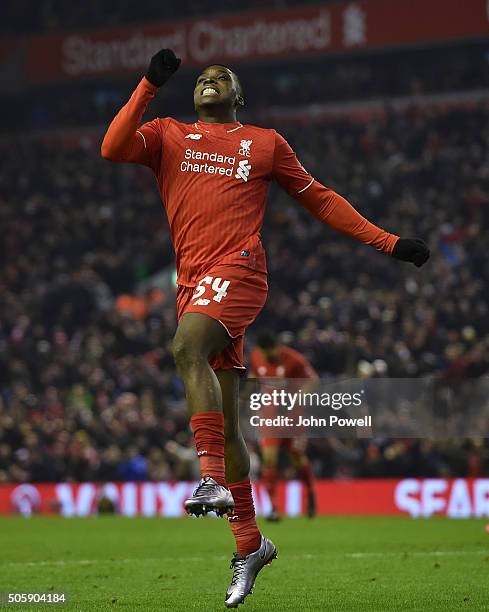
[(270, 479), (306, 475), (208, 428), (243, 521)]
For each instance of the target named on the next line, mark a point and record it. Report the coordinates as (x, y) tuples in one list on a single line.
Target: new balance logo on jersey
[(194, 136), (243, 171), (245, 147)]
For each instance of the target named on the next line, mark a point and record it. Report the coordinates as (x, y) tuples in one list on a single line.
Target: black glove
[(162, 65), (411, 249)]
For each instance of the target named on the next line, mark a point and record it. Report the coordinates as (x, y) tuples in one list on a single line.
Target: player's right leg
[(213, 319), (253, 550), (304, 471), (269, 455), (198, 337)]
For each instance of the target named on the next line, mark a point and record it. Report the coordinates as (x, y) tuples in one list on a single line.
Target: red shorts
[(234, 296)]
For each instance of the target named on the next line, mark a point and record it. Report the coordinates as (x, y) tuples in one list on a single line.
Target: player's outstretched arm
[(331, 208), (122, 141)]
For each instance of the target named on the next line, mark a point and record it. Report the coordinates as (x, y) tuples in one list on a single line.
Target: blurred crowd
[(88, 389)]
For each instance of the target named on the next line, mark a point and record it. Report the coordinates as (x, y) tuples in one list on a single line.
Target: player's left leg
[(304, 471), (253, 550), (198, 337)]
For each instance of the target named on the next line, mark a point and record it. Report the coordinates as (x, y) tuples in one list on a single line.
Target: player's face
[(216, 86)]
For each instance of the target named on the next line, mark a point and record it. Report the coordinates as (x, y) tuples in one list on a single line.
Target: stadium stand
[(49, 16), (88, 390)]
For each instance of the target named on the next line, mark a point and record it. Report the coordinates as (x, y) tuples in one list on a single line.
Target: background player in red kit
[(213, 176), (270, 359)]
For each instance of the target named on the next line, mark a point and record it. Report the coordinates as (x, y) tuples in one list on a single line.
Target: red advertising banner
[(250, 36), (457, 498)]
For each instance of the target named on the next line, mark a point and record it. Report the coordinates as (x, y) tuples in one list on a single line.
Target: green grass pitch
[(115, 563)]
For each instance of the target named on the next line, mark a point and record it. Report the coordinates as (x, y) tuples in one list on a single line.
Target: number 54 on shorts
[(210, 287)]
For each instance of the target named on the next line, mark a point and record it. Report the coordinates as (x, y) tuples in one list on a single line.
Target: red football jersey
[(289, 363), (213, 179)]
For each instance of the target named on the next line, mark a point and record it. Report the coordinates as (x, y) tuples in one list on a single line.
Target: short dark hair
[(266, 340)]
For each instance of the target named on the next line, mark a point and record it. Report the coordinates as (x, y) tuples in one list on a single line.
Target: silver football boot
[(246, 570), (209, 496)]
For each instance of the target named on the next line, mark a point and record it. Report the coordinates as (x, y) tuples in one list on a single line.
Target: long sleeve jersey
[(213, 179)]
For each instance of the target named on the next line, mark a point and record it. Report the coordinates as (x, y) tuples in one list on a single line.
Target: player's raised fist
[(162, 65), (413, 250)]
